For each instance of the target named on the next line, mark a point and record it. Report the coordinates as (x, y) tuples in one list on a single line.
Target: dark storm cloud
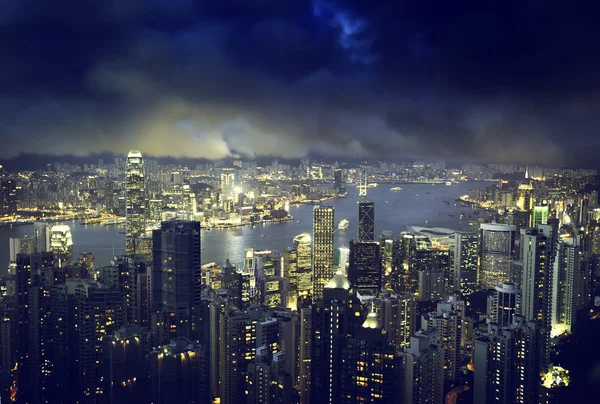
[(512, 81)]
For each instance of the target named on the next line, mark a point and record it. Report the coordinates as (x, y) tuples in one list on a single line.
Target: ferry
[(395, 189), (344, 224)]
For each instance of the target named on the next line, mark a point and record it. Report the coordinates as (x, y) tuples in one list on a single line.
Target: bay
[(416, 205)]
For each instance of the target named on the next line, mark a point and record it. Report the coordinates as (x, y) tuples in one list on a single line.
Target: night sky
[(501, 81)]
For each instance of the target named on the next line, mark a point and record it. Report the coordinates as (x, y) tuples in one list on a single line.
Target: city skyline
[(299, 202)]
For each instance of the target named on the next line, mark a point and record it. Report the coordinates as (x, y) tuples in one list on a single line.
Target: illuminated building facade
[(135, 209), (497, 250), (322, 248), (398, 314), (570, 286), (539, 216), (506, 303), (9, 197), (61, 244), (505, 359), (466, 258)]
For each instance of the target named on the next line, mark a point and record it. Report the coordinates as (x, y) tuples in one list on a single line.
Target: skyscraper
[(135, 201), (497, 245), (322, 248), (61, 244), (570, 286), (506, 303), (366, 219), (505, 364), (176, 277), (364, 270), (464, 271), (338, 181)]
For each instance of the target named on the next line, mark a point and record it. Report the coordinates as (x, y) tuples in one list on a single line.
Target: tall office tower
[(364, 270), (126, 375), (424, 370), (497, 246), (322, 248), (303, 247), (331, 316), (179, 373), (538, 248), (539, 216), (18, 245), (505, 364), (398, 314), (176, 277), (448, 321), (366, 219), (135, 209), (61, 244), (569, 289), (304, 354), (506, 303), (432, 285), (268, 381), (338, 182), (97, 313), (466, 258), (25, 270), (41, 237), (9, 197), (370, 370)]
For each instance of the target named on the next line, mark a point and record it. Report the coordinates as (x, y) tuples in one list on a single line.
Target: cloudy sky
[(512, 81)]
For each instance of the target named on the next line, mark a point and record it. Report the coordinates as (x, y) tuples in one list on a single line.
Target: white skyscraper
[(61, 244), (135, 201)]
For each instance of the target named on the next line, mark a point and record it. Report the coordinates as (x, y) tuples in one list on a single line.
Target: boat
[(449, 183), (344, 224), (373, 185), (395, 189)]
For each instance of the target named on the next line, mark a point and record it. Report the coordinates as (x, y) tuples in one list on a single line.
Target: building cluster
[(418, 317)]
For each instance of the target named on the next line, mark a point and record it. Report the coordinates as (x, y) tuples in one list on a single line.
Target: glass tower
[(322, 248), (135, 201)]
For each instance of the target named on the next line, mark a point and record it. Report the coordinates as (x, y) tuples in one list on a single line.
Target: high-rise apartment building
[(505, 363), (570, 285), (135, 209), (322, 248), (398, 314)]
